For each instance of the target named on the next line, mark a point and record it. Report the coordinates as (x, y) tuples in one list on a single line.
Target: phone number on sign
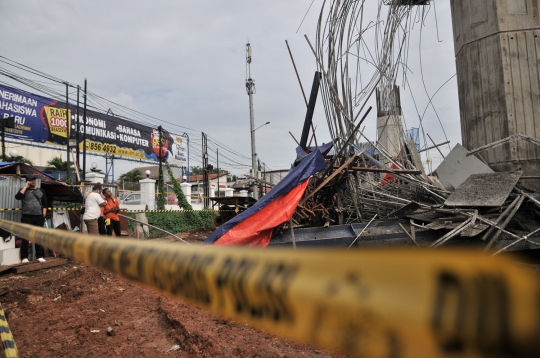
[(107, 148)]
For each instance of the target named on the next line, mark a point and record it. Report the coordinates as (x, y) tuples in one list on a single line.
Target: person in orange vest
[(101, 222), (111, 213)]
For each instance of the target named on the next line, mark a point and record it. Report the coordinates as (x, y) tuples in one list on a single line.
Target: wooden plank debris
[(409, 235), (51, 262)]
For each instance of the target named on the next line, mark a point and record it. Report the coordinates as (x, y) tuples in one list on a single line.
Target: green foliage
[(57, 163), (21, 159), (194, 219), (177, 222), (182, 201), (161, 192), (131, 176), (196, 170), (174, 222)]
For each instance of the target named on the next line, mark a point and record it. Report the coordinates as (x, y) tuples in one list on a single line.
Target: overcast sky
[(184, 62)]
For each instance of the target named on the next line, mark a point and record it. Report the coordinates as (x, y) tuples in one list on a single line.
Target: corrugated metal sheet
[(9, 186)]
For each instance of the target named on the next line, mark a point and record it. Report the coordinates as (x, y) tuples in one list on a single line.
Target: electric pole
[(68, 171), (250, 88), (84, 125), (77, 150)]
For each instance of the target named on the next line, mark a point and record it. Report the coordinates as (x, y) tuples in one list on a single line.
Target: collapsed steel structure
[(367, 179)]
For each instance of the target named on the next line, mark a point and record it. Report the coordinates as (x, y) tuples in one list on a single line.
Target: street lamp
[(262, 125), (147, 173), (13, 153)]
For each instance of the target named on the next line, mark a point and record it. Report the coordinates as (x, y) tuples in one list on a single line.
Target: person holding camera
[(112, 220), (34, 210)]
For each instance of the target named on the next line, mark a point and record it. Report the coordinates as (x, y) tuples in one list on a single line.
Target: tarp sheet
[(301, 154), (254, 226)]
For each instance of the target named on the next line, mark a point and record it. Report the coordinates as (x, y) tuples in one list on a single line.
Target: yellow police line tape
[(10, 348), (373, 303), (131, 211)]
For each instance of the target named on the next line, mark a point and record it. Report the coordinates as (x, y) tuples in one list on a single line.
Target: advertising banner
[(43, 120)]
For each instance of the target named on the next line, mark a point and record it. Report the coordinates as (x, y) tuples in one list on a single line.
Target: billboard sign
[(46, 121)]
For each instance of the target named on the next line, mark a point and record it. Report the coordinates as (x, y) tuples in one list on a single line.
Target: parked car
[(131, 199), (172, 199)]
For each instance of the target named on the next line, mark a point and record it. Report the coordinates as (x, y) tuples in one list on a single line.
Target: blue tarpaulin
[(311, 164)]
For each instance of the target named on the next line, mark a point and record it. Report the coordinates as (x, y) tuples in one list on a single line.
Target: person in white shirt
[(92, 209)]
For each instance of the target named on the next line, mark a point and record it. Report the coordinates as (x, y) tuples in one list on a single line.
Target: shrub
[(175, 221)]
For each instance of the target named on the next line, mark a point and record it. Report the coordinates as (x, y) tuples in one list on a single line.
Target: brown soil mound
[(66, 312)]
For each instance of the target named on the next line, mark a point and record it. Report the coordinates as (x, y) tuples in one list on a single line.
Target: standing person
[(102, 228), (34, 209), (111, 213), (92, 209)]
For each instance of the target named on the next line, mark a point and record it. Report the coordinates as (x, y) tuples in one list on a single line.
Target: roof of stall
[(57, 190)]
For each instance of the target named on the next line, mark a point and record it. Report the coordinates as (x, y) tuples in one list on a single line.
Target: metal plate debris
[(457, 167), (405, 210), (487, 189)]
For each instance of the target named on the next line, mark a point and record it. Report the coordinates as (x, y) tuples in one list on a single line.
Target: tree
[(57, 163), (21, 159), (131, 176), (196, 170)]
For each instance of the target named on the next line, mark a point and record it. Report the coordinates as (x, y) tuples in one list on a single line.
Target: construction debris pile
[(486, 209), (379, 190)]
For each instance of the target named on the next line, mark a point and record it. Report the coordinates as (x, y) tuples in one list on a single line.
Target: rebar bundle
[(357, 56)]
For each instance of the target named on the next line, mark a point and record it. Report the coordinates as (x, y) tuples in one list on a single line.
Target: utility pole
[(206, 180), (68, 171), (8, 122), (84, 133), (250, 88), (218, 173), (77, 137), (160, 156)]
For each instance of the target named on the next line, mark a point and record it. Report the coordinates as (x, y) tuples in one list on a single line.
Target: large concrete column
[(497, 53), (148, 193), (389, 122)]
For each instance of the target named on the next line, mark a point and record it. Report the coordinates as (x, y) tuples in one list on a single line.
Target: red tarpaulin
[(257, 229)]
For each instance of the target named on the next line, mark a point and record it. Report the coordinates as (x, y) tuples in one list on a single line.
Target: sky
[(183, 62)]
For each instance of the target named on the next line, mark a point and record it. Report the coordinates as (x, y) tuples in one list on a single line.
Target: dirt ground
[(66, 311)]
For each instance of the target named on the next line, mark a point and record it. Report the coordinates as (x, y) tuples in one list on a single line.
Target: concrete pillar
[(142, 230), (243, 193), (390, 132), (497, 75), (186, 189), (212, 191), (148, 193), (95, 177), (229, 192)]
